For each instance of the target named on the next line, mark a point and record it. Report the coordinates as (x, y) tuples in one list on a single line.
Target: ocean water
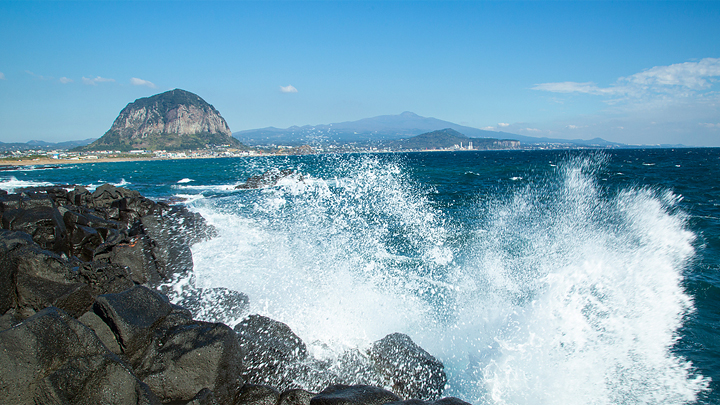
[(536, 277)]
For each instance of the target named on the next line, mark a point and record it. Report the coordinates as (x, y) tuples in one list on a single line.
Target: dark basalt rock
[(267, 179), (295, 397), (409, 370), (173, 354), (270, 351), (79, 245), (132, 315), (215, 304), (353, 395), (52, 358), (253, 394)]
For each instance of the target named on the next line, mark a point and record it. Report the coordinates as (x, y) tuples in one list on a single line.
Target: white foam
[(10, 184)]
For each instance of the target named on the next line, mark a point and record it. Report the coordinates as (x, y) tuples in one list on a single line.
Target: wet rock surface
[(84, 319)]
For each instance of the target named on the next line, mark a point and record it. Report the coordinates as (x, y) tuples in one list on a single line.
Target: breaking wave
[(563, 292)]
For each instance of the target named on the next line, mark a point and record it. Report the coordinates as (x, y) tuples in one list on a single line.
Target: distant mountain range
[(42, 145), (448, 139), (386, 128)]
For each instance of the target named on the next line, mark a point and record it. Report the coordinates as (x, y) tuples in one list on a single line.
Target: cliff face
[(173, 120)]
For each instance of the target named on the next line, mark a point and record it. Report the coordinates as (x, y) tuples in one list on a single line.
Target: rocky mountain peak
[(174, 120)]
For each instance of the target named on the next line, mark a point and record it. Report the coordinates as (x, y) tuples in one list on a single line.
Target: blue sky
[(638, 72)]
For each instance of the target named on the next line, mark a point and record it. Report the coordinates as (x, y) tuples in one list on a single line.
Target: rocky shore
[(91, 316)]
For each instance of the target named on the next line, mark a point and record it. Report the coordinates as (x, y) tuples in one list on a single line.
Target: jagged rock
[(187, 358), (270, 351), (353, 395), (36, 215), (267, 179), (215, 304), (253, 394), (295, 397), (173, 120), (33, 278), (106, 226), (132, 315), (176, 356), (52, 358), (409, 370)]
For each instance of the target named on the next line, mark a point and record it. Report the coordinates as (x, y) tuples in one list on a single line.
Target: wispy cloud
[(140, 82), (503, 124), (96, 80), (65, 80), (288, 89), (678, 80), (37, 76), (2, 76)]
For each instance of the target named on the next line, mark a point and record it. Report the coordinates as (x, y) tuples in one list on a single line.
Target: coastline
[(45, 161)]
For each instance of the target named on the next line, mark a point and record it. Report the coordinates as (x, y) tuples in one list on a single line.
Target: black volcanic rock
[(410, 371), (174, 120), (354, 395), (53, 358)]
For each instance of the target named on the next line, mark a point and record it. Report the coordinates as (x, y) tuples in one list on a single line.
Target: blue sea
[(536, 277)]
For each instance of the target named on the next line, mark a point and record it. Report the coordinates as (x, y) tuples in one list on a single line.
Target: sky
[(636, 72)]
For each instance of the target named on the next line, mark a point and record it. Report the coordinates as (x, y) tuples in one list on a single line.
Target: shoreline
[(45, 161)]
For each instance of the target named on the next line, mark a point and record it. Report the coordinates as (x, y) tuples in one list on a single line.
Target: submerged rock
[(267, 179)]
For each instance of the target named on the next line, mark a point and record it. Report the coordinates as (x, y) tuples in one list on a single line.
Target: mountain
[(384, 128), (174, 120), (42, 145), (449, 138)]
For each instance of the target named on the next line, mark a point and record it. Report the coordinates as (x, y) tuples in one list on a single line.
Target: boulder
[(215, 304), (32, 278), (184, 359), (267, 179), (270, 351), (353, 395), (52, 358), (295, 397), (132, 315), (174, 355), (407, 368), (253, 394)]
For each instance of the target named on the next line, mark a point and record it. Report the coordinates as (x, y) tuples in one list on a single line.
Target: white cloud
[(679, 80), (288, 89), (140, 82), (96, 80), (502, 124), (710, 125), (691, 75), (2, 76), (41, 77), (65, 80), (572, 87)]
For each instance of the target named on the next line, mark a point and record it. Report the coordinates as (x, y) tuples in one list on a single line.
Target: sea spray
[(563, 292), (343, 260), (578, 297)]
